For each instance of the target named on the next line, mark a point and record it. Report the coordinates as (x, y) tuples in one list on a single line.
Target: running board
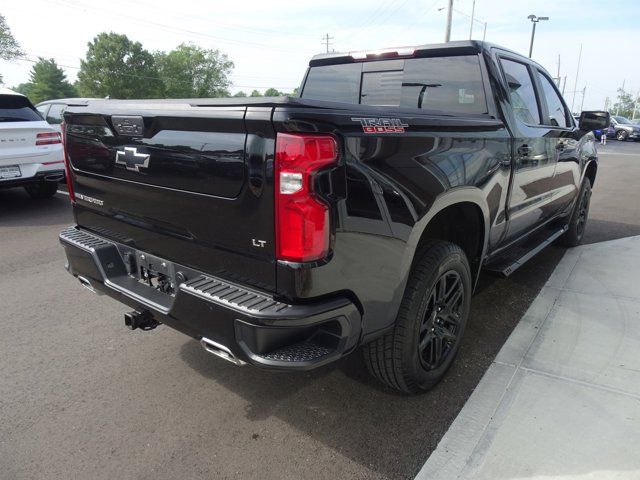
[(506, 265)]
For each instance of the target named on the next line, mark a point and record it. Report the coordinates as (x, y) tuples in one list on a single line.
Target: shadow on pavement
[(603, 230), (347, 410), (17, 209)]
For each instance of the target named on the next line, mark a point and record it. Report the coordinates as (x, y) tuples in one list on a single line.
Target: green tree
[(272, 92), (255, 93), (624, 105), (46, 81), (240, 94), (118, 67), (189, 71), (9, 46)]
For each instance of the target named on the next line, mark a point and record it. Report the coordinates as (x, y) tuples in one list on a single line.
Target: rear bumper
[(46, 176), (254, 326)]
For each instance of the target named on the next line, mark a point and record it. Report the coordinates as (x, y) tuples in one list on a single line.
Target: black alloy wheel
[(440, 325)]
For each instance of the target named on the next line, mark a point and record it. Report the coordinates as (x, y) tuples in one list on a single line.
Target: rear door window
[(448, 84), (521, 91), (555, 106), (16, 108)]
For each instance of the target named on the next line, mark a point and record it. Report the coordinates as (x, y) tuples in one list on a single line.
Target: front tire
[(42, 190), (431, 321), (573, 236), (621, 135)]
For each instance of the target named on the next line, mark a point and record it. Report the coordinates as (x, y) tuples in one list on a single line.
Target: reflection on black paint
[(360, 199), (397, 206)]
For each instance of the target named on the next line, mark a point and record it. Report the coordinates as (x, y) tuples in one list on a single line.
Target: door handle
[(524, 150)]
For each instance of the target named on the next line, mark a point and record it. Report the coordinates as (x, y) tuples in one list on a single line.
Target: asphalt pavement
[(83, 397)]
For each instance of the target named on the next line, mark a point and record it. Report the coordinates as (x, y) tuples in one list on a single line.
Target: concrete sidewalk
[(562, 398)]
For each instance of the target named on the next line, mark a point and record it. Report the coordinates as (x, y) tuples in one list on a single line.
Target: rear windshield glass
[(449, 84), (16, 108)]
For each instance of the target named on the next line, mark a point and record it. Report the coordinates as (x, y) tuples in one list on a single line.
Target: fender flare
[(471, 195), (590, 160)]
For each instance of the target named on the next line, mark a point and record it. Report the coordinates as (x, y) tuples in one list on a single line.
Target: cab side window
[(521, 92), (555, 106), (54, 117)]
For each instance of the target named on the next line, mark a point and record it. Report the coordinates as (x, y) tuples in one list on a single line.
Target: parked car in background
[(625, 129), (52, 110), (30, 149)]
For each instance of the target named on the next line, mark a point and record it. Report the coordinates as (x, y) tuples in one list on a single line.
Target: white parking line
[(63, 193), (616, 153)]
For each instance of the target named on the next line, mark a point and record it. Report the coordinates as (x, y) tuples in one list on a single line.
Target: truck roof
[(461, 47)]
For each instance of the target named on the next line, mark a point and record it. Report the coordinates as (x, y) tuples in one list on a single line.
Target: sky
[(271, 43)]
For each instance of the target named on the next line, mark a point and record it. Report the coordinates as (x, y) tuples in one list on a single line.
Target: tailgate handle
[(129, 125)]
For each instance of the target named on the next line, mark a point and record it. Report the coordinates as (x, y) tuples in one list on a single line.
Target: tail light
[(302, 218), (67, 166), (48, 138)]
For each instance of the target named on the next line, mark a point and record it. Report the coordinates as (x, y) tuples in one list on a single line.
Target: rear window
[(449, 84), (16, 108)]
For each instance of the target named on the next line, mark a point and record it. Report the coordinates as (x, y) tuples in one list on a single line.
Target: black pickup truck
[(287, 232)]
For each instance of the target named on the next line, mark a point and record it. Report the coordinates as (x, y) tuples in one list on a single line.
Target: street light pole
[(473, 12), (447, 32), (534, 19)]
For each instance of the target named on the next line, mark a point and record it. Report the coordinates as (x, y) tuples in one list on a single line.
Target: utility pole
[(564, 84), (447, 32), (473, 12), (606, 104), (558, 70), (635, 106), (620, 97), (326, 40), (575, 86), (584, 92)]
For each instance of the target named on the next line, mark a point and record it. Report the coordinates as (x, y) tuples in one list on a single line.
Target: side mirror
[(594, 121)]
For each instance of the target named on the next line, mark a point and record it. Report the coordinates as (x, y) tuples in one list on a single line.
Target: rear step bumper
[(234, 322)]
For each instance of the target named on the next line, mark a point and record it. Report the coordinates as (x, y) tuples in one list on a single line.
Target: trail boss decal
[(381, 125)]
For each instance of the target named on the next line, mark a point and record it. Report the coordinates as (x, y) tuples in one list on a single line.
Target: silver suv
[(625, 129)]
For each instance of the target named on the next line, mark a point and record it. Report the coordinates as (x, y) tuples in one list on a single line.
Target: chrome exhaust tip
[(54, 177), (220, 351), (87, 284)]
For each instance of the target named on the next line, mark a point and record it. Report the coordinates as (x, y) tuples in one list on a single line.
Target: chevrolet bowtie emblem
[(131, 159)]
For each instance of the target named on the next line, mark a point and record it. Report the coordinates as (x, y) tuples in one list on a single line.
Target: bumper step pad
[(299, 352), (233, 296)]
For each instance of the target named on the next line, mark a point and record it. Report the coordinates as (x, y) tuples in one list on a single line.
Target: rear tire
[(578, 223), (42, 190), (431, 321)]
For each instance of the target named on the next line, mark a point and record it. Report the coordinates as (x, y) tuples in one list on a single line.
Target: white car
[(31, 153)]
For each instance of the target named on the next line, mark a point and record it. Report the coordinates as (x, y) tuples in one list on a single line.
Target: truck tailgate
[(178, 181)]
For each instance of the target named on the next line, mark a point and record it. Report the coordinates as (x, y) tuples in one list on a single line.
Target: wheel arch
[(468, 202)]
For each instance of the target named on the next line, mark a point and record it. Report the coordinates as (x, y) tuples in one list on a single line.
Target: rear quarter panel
[(396, 182)]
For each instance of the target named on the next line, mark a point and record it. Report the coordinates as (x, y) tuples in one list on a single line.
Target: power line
[(120, 16), (226, 26), (146, 77)]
